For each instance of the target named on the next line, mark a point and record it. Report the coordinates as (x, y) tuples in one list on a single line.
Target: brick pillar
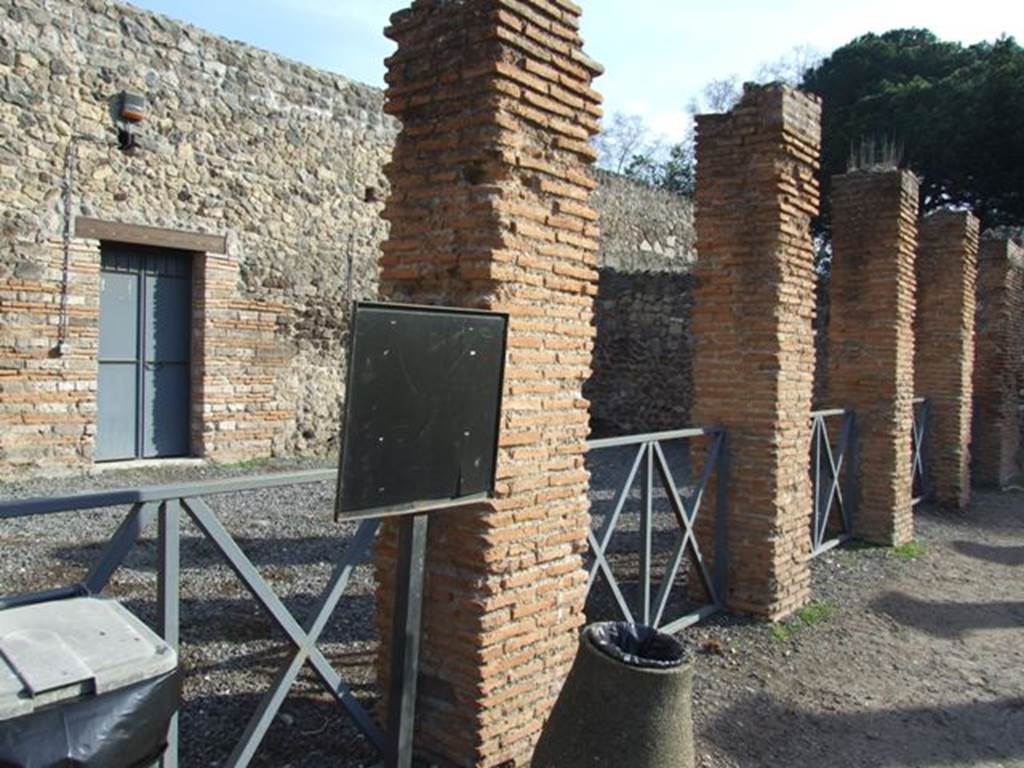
[(489, 208), (753, 309), (947, 263), (871, 340), (998, 365)]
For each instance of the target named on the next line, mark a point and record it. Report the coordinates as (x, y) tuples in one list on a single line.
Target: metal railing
[(830, 524), (165, 506), (918, 435), (649, 460)]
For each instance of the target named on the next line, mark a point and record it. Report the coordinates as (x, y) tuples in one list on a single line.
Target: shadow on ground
[(1009, 556), (311, 731), (764, 730), (949, 620)]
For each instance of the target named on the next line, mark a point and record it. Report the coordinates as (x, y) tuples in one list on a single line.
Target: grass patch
[(817, 612), (810, 615), (782, 632), (912, 550)]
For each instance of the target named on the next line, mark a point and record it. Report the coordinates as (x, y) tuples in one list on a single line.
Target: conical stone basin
[(627, 703)]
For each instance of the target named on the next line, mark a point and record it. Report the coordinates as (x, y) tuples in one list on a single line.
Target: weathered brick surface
[(48, 403), (871, 340), (999, 367), (753, 309), (490, 208), (947, 264)]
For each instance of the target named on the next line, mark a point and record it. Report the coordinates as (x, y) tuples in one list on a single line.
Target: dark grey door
[(145, 339)]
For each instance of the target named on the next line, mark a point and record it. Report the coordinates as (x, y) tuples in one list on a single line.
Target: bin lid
[(64, 649)]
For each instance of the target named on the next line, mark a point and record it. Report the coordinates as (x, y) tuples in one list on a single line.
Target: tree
[(624, 137), (792, 67), (676, 173), (956, 112), (719, 95)]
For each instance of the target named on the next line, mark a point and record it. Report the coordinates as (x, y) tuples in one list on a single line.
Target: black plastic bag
[(125, 728), (636, 645)]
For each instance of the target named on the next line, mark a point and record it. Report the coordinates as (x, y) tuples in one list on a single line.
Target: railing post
[(405, 640), (926, 416), (817, 427), (851, 493), (646, 525), (168, 600)]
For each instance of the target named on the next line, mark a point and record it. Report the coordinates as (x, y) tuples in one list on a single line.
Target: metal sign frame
[(429, 505)]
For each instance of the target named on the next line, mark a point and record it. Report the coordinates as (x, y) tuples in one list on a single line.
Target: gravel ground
[(230, 649), (903, 662)]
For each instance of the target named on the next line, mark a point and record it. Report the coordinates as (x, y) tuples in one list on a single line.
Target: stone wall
[(643, 352), (282, 159), (284, 164), (643, 229)]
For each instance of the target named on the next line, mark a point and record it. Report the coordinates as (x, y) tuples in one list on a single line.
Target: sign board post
[(420, 435)]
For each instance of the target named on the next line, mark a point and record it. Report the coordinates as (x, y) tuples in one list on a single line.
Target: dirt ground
[(906, 661), (913, 658)]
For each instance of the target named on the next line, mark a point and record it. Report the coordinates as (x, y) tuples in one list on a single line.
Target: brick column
[(947, 263), (489, 208), (998, 364), (871, 340), (753, 309)]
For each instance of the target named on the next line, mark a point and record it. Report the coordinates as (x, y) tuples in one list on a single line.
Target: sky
[(657, 54)]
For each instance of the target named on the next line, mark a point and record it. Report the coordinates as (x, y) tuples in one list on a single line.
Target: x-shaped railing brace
[(304, 638), (835, 467), (685, 511), (919, 428)]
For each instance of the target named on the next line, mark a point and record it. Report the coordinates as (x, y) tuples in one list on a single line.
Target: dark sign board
[(422, 406)]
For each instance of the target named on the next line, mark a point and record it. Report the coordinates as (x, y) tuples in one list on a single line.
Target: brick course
[(871, 340), (753, 309), (999, 366), (490, 209), (947, 263)]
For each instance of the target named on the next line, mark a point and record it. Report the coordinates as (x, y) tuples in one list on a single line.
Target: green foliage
[(957, 112), (913, 550), (816, 613), (677, 173), (810, 615)]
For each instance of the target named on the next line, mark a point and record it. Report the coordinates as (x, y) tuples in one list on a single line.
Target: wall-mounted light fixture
[(129, 109)]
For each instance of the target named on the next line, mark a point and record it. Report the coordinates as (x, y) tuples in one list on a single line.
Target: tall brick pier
[(753, 308), (871, 340), (489, 208), (999, 367), (947, 263)]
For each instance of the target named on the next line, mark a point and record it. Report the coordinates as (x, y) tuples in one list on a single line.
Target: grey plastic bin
[(83, 682)]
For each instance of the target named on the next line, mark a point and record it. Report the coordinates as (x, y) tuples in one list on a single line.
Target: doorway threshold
[(129, 464)]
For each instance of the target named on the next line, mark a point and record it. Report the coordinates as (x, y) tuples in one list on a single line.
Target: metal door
[(145, 340)]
